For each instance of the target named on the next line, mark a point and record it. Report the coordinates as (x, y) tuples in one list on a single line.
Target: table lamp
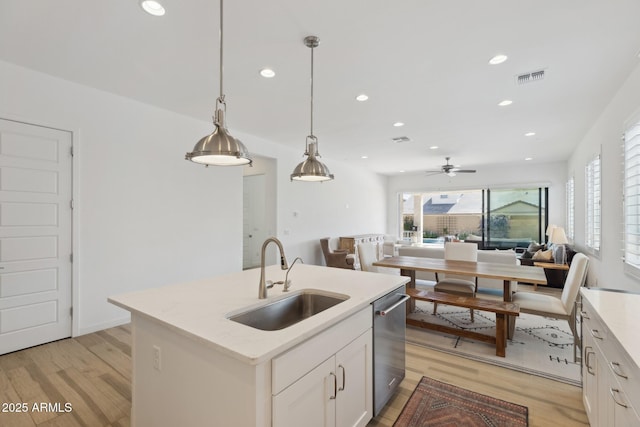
[(559, 239)]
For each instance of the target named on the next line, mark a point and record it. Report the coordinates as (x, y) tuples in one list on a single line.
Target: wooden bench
[(502, 309)]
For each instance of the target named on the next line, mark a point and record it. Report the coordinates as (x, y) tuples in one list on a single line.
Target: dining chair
[(368, 254), (558, 308), (453, 283)]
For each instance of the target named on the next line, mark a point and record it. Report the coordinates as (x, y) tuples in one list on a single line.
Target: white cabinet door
[(310, 401), (590, 379), (354, 404)]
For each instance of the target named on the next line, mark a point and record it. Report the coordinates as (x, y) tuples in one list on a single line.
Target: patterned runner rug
[(434, 403), (540, 346)]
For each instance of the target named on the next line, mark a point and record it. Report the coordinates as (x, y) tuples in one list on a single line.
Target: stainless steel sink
[(288, 311)]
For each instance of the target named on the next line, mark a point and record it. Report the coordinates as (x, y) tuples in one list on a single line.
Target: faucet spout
[(262, 290)]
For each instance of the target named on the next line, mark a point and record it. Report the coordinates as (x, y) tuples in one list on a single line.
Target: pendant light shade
[(220, 148), (311, 169)]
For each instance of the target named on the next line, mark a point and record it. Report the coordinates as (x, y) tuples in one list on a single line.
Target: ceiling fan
[(450, 169)]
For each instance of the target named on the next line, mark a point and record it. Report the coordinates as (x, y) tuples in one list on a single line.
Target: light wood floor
[(93, 374)]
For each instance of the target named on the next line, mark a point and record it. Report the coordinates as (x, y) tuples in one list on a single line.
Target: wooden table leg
[(411, 274), (501, 334), (506, 296)]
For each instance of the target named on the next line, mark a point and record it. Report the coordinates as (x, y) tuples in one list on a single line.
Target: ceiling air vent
[(533, 76), (401, 139)]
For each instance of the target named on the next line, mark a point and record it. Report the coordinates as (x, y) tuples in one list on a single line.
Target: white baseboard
[(102, 326)]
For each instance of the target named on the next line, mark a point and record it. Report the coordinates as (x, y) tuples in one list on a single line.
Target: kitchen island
[(192, 365)]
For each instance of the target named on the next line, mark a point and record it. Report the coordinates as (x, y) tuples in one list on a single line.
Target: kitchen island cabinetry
[(194, 366), (336, 393), (610, 375)]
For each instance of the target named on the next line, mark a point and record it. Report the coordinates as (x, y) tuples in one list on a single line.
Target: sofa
[(491, 285)]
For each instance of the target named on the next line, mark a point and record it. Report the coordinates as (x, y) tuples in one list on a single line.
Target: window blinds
[(593, 204), (571, 208), (632, 195)]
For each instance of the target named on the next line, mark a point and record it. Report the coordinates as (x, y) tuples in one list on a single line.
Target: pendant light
[(311, 169), (220, 148)]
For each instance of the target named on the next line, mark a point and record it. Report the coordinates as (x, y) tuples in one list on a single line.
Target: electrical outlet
[(157, 360)]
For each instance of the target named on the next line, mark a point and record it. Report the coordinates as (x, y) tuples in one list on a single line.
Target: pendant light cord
[(221, 97), (312, 93)]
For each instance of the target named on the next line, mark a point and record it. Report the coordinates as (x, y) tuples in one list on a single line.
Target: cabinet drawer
[(592, 325), (623, 370), (295, 363)]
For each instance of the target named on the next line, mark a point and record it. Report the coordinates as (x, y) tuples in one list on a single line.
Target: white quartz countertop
[(200, 309), (620, 312)]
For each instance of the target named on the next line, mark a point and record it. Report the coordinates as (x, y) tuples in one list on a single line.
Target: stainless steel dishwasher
[(389, 325)]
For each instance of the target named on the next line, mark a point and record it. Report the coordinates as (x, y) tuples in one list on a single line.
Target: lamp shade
[(550, 228), (558, 236)]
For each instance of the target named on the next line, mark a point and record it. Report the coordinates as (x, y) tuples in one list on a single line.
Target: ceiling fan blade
[(464, 170), (433, 172)]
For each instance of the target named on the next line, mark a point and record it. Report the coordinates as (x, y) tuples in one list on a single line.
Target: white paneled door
[(35, 235)]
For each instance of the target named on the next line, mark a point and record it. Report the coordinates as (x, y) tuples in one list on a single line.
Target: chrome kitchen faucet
[(262, 290)]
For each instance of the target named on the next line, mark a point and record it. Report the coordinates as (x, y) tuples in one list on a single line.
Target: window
[(593, 204), (632, 196), (491, 218), (571, 209)]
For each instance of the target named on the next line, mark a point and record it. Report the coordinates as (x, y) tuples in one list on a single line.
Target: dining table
[(408, 266)]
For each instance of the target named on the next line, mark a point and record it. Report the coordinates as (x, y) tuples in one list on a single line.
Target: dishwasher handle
[(386, 311)]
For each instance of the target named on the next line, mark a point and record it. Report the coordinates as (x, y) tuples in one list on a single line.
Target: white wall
[(552, 175), (145, 217), (606, 269), (353, 203)]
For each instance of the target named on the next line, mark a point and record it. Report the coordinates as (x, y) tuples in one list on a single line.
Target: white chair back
[(368, 254), (460, 251), (575, 279)]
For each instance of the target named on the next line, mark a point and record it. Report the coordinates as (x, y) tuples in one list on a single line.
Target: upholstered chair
[(456, 284), (368, 254), (335, 257), (558, 308)]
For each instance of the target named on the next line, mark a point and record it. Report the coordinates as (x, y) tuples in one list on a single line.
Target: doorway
[(35, 235), (259, 211)]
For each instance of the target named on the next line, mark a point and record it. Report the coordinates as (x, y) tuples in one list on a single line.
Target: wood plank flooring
[(92, 373)]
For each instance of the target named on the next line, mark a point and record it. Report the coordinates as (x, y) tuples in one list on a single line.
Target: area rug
[(434, 403), (540, 346)]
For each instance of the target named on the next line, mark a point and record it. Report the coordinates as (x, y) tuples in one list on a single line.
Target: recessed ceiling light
[(152, 7), (433, 147), (398, 124), (402, 171), (267, 73), (362, 97), (498, 59), (528, 158), (505, 103), (529, 134), (364, 157)]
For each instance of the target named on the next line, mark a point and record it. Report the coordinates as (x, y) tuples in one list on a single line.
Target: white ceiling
[(422, 62)]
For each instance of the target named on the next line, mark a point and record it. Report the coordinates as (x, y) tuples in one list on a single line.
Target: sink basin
[(288, 311)]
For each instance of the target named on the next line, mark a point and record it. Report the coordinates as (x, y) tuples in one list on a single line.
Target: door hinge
[(71, 203), (70, 311), (71, 151), (71, 258)]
